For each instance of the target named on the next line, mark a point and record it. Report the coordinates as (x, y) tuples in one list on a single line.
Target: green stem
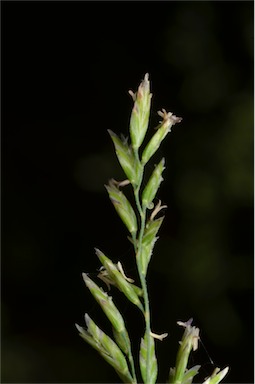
[(138, 248), (131, 361)]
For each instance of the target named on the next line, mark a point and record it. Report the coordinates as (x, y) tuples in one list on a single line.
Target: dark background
[(66, 71)]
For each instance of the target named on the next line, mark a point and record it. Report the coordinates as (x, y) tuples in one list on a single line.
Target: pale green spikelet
[(107, 343), (148, 241), (162, 130), (107, 348), (126, 158), (117, 279), (216, 376), (89, 339), (106, 304), (148, 361), (180, 374), (122, 206), (188, 375), (189, 341), (140, 114), (153, 184)]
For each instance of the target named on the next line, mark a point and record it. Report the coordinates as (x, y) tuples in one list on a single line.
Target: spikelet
[(162, 130), (122, 206), (140, 114), (148, 361), (119, 280), (153, 184), (107, 348), (106, 303), (126, 157)]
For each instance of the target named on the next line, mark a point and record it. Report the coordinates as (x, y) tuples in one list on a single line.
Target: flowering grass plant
[(143, 220)]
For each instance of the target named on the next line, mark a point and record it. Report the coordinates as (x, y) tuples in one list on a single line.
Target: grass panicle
[(143, 220)]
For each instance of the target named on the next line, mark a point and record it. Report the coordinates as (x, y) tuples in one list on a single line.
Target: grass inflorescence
[(143, 220)]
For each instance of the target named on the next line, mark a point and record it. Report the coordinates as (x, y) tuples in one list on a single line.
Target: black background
[(66, 71)]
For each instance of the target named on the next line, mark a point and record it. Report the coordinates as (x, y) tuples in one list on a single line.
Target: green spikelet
[(148, 242), (162, 130), (107, 348), (106, 304), (153, 184), (126, 158), (148, 361), (216, 376), (118, 279), (122, 206), (140, 114)]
